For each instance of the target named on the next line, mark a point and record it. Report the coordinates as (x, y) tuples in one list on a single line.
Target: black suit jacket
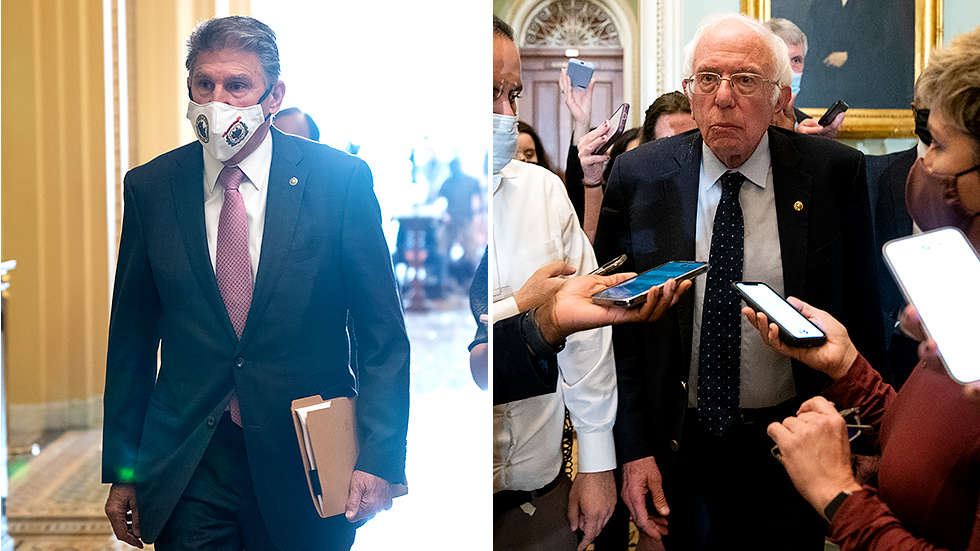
[(649, 212), (323, 254)]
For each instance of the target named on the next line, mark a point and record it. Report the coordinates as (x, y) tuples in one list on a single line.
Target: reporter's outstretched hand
[(834, 357), (571, 308), (579, 102), (811, 126), (592, 164), (542, 284)]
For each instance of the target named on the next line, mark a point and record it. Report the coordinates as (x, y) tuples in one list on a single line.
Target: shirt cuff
[(505, 308), (596, 451)]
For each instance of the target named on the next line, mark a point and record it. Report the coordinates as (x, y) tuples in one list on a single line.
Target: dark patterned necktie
[(721, 337), (233, 267)]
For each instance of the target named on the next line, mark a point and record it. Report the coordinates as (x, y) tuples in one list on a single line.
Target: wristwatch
[(835, 504)]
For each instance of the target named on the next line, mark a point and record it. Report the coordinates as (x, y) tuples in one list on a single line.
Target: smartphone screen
[(580, 72), (938, 271), (617, 125), (632, 292), (794, 328)]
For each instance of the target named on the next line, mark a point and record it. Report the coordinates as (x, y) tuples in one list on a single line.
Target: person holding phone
[(928, 433), (535, 505), (696, 392), (792, 118)]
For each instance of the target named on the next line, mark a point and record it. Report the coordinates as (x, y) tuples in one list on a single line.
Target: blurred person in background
[(530, 148), (792, 118)]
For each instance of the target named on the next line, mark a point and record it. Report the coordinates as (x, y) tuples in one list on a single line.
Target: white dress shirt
[(534, 224), (254, 189), (766, 377)]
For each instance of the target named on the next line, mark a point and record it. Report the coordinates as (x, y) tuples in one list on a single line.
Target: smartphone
[(633, 291), (794, 329), (836, 109), (938, 273), (617, 125), (608, 267), (580, 72)]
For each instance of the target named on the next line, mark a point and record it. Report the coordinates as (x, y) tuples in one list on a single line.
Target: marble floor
[(449, 454)]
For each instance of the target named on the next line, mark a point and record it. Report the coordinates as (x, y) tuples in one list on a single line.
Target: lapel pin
[(798, 206), (293, 181)]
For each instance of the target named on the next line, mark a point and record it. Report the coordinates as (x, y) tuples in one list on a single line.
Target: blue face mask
[(795, 85), (504, 140)]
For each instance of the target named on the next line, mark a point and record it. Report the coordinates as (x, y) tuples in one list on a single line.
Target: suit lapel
[(793, 190), (287, 182), (188, 191)]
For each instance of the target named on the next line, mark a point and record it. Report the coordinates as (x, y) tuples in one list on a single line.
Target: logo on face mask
[(237, 132), (203, 130)]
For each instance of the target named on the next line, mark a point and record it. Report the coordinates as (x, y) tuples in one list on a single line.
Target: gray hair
[(777, 48), (788, 32), (240, 33)]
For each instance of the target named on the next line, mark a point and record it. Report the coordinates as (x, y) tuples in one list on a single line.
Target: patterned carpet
[(56, 502)]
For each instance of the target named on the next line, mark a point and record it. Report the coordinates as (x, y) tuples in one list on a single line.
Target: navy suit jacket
[(323, 254), (649, 212)]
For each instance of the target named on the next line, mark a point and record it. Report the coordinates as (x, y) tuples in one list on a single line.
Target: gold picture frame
[(861, 124)]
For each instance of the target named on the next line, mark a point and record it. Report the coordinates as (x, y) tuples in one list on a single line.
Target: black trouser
[(218, 510), (729, 492)]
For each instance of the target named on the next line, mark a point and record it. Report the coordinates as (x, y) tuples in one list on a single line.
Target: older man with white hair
[(757, 203)]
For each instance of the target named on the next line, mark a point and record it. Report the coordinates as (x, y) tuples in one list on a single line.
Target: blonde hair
[(950, 83)]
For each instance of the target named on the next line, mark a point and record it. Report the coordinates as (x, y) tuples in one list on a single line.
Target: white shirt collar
[(506, 173), (255, 166), (755, 168)]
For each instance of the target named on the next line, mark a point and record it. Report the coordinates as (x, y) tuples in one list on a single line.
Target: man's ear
[(275, 97), (785, 96)]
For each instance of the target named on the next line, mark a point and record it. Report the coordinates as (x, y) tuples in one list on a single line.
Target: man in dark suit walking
[(696, 389), (241, 255)]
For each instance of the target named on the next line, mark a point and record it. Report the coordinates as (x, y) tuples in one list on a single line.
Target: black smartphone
[(633, 291), (617, 125), (794, 329), (608, 267), (580, 72), (836, 109), (938, 272)]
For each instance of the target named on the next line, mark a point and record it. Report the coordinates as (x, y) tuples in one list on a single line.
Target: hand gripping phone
[(617, 125), (794, 328), (633, 292), (580, 72), (830, 114), (939, 272)]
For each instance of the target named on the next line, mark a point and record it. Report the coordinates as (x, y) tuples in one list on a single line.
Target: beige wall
[(54, 202), (54, 186)]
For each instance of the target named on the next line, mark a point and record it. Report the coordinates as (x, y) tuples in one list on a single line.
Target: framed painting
[(865, 52)]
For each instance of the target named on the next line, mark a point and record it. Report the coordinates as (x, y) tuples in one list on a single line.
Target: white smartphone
[(580, 72), (794, 328), (633, 291), (939, 273)]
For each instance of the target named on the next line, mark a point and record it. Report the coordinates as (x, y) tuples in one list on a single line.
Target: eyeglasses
[(498, 90), (745, 84), (852, 418)]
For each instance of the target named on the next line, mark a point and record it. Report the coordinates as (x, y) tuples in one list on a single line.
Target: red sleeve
[(865, 522), (862, 387)]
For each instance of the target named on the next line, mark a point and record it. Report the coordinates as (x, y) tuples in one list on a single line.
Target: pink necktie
[(233, 268)]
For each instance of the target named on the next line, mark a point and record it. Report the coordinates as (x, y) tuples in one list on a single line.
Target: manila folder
[(328, 443)]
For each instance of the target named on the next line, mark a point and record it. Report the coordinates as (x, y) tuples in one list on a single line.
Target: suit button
[(674, 445), (211, 421), (239, 362)]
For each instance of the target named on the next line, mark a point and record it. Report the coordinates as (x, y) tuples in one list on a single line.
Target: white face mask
[(222, 129), (504, 140)]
